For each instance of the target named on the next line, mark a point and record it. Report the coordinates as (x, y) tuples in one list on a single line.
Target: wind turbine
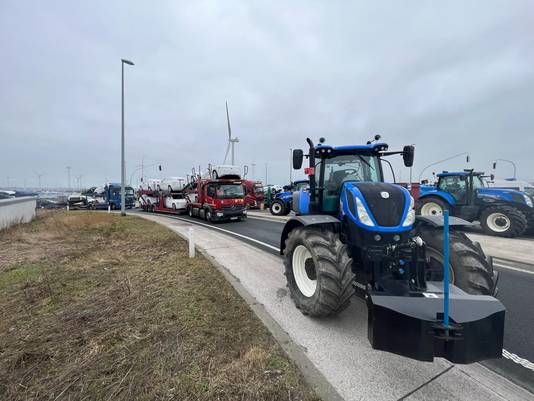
[(231, 141)]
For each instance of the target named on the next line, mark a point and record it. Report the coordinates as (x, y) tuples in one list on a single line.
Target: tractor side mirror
[(298, 157), (408, 155), (492, 177), (245, 171)]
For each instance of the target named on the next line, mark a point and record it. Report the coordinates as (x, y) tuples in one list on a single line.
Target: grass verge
[(98, 307)]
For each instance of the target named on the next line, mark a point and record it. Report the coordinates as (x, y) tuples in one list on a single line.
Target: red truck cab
[(254, 195), (217, 199)]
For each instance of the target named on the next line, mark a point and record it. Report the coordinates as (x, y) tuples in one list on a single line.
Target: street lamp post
[(123, 168), (508, 161)]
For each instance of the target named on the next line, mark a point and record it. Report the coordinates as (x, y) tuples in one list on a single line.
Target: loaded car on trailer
[(165, 200)]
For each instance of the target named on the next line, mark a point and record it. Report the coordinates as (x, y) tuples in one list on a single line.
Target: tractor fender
[(445, 196), (303, 221), (437, 221)]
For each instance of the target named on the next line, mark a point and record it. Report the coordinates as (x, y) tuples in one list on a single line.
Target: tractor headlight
[(528, 201), (410, 217), (363, 216)]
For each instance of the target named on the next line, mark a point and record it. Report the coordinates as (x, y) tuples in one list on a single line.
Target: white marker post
[(191, 242), (109, 208), (68, 207)]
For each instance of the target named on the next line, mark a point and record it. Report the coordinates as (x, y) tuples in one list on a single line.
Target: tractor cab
[(462, 186)]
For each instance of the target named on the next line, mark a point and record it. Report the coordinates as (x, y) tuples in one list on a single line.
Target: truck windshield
[(228, 191), (258, 189), (129, 191)]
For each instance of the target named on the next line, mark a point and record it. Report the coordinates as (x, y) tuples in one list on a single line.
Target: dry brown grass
[(98, 307)]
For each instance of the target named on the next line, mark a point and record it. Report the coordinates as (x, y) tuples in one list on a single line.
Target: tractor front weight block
[(412, 326)]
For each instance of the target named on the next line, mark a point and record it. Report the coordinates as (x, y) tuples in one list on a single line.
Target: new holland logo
[(384, 194)]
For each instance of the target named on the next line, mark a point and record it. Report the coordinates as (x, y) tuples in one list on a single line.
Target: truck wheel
[(431, 206), (318, 271), (278, 208), (207, 215), (469, 269), (173, 207), (503, 221)]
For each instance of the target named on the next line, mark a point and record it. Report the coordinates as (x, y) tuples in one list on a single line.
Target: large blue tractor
[(501, 212), (355, 234), (281, 204)]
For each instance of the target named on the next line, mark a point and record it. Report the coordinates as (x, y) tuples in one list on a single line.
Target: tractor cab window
[(456, 185), (342, 168), (478, 182)]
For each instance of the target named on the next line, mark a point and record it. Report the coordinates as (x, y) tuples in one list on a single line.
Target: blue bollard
[(446, 271)]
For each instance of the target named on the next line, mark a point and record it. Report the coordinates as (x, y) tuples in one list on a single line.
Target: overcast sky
[(447, 76)]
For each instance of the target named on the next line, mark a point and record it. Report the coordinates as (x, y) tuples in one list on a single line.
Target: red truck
[(216, 199), (254, 195)]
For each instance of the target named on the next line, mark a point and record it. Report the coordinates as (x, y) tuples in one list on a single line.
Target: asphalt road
[(516, 292)]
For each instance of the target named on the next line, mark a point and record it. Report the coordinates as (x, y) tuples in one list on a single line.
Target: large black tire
[(434, 204), (330, 266), (208, 215), (278, 208), (469, 268), (514, 221)]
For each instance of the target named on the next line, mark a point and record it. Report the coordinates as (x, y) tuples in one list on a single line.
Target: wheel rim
[(431, 209), (304, 271), (435, 270), (498, 222), (277, 208), (208, 215)]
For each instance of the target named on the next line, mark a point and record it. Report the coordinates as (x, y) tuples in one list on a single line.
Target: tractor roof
[(347, 149), (465, 173)]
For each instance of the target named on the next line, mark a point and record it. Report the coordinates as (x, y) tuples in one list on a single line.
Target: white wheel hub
[(277, 208), (431, 209), (304, 271), (498, 222)]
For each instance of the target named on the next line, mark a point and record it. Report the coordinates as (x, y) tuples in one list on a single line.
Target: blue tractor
[(281, 204), (501, 212), (354, 234)]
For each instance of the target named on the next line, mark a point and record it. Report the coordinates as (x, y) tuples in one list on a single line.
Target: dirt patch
[(99, 307)]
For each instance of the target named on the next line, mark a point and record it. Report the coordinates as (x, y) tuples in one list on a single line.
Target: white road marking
[(517, 269), (230, 232), (517, 359)]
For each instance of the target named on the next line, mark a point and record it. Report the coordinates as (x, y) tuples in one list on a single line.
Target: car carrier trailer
[(162, 201)]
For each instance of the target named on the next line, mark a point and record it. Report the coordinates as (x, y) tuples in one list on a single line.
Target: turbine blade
[(228, 121)]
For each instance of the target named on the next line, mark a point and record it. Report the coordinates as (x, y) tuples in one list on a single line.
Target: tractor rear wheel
[(503, 221), (431, 206), (318, 270), (278, 208), (469, 269)]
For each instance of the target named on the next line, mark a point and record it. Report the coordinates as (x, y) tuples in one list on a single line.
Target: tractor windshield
[(342, 168), (355, 167)]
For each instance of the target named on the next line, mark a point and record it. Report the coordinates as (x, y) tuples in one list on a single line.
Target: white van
[(172, 184)]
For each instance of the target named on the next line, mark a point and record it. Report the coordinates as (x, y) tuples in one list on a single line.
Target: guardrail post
[(191, 242)]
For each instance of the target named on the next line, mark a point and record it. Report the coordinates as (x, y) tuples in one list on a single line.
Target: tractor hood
[(377, 206), (504, 194)]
